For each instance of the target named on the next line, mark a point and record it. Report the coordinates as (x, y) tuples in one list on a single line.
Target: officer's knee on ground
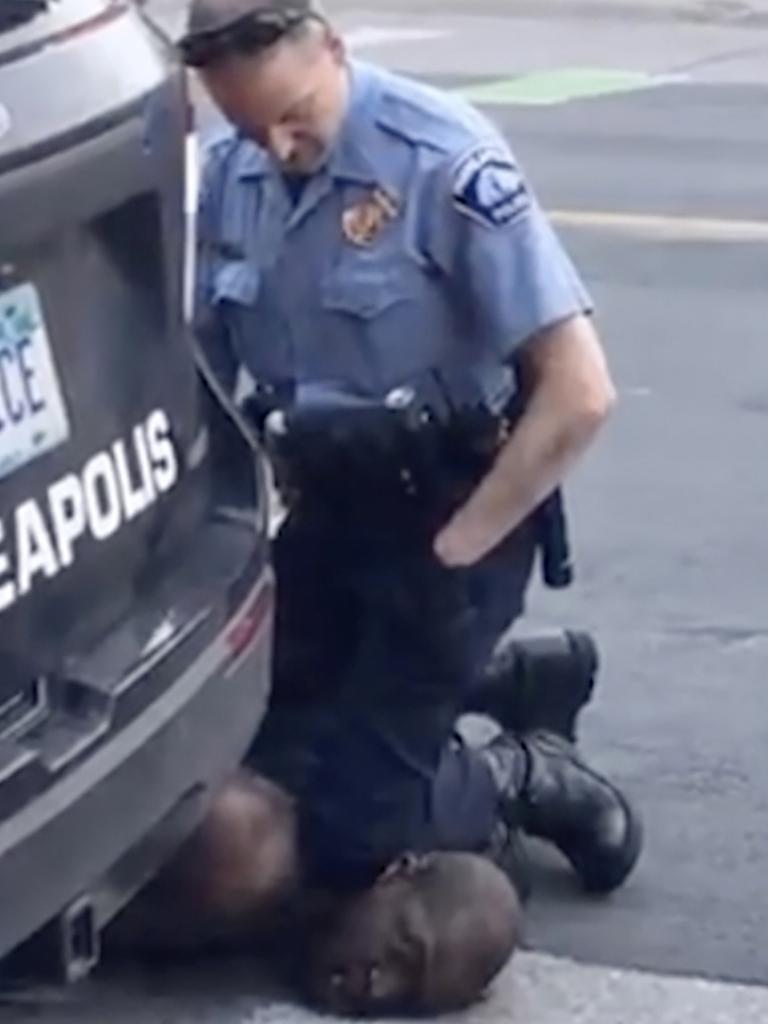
[(429, 937)]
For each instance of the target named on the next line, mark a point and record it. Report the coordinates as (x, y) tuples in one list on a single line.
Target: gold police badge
[(363, 222)]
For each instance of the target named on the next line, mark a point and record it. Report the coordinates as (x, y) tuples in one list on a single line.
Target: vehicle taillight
[(250, 622)]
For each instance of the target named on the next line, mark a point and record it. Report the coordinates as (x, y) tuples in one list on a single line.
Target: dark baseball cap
[(220, 28)]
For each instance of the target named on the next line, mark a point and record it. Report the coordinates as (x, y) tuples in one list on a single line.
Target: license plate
[(33, 418)]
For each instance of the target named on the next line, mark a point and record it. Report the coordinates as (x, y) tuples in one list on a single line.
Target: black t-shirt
[(295, 185)]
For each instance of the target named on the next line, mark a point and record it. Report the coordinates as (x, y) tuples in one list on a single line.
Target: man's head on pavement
[(427, 938), (277, 71)]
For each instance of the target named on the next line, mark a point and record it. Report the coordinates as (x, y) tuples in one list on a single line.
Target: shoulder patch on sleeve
[(487, 185)]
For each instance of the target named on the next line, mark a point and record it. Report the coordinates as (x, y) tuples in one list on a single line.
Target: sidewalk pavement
[(543, 990), (535, 989)]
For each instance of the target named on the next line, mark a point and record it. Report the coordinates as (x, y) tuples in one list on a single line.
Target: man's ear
[(335, 43), (406, 866), (418, 942)]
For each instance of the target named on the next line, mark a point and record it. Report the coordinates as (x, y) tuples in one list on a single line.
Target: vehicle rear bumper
[(103, 830)]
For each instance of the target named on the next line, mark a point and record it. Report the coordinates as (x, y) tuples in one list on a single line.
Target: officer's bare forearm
[(570, 396)]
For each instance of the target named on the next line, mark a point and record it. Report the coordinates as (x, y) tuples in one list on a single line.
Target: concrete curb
[(548, 990), (535, 989)]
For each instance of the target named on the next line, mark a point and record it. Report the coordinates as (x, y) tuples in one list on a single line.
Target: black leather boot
[(508, 853), (550, 792), (538, 683)]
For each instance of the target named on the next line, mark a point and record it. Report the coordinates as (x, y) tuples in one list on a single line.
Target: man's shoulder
[(424, 116), (216, 146)]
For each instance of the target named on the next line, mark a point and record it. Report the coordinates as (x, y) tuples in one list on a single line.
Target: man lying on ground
[(428, 936)]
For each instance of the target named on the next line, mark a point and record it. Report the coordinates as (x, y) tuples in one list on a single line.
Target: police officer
[(358, 231)]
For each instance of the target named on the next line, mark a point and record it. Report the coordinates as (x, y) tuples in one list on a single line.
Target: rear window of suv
[(29, 23), (17, 12)]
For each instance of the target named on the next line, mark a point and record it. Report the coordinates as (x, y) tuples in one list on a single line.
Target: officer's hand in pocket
[(464, 541)]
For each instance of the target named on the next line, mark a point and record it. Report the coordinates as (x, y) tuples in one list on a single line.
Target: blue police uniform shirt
[(418, 245)]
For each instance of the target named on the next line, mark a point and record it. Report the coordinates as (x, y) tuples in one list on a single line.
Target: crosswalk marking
[(370, 36), (659, 226)]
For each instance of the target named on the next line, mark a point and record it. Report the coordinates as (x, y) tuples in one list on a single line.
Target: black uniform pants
[(377, 645)]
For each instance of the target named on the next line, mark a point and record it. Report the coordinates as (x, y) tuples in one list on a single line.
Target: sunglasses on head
[(247, 35)]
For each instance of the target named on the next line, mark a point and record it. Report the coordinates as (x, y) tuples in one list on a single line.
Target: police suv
[(135, 594)]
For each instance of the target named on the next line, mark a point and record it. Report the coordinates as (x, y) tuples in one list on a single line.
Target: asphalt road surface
[(663, 195), (669, 515)]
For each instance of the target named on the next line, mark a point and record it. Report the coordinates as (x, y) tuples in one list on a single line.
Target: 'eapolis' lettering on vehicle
[(115, 486)]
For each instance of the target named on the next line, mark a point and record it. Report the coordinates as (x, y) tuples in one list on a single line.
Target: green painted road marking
[(545, 88)]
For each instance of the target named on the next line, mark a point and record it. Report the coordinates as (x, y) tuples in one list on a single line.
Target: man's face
[(291, 101)]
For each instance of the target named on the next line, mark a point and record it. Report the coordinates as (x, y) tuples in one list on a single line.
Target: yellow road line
[(661, 227)]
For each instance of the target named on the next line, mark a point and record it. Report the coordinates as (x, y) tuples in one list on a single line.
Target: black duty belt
[(400, 464)]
